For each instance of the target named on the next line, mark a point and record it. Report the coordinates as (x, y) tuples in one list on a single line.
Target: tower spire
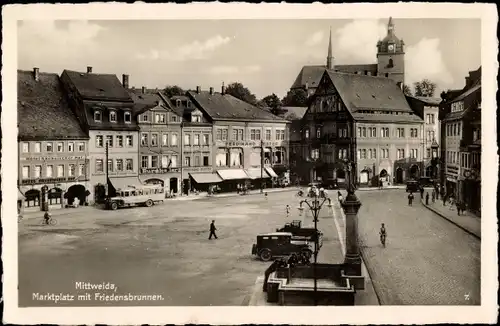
[(390, 26), (329, 58)]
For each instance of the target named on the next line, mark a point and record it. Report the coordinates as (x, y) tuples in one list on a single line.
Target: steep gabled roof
[(428, 100), (42, 109), (294, 112), (371, 68), (228, 107), (310, 75), (144, 101), (360, 92), (98, 86)]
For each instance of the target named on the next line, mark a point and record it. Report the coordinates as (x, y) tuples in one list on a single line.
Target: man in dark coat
[(410, 199), (427, 198), (212, 230)]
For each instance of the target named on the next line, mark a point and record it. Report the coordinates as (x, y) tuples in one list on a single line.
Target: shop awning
[(20, 195), (231, 174), (271, 172), (123, 183), (256, 173), (205, 177)]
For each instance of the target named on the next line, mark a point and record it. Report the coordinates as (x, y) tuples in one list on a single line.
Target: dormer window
[(188, 104), (127, 117), (195, 118), (112, 116), (178, 103), (97, 116)]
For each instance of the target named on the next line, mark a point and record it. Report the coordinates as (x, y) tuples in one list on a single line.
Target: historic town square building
[(105, 110), (361, 118), (427, 108), (241, 134), (462, 142), (53, 148), (159, 144), (390, 64)]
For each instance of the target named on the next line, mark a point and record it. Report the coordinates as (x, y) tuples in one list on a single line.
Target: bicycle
[(382, 239), (51, 221)]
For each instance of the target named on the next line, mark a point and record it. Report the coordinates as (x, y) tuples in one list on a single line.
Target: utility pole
[(261, 166), (106, 169)]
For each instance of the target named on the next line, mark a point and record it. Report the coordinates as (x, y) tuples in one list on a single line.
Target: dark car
[(300, 233), (413, 186), (426, 182), (279, 244)]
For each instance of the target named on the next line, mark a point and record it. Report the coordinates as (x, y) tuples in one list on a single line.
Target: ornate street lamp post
[(435, 158), (351, 206), (314, 205)]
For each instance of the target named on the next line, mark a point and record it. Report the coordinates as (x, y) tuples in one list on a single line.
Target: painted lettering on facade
[(47, 158), (158, 170)]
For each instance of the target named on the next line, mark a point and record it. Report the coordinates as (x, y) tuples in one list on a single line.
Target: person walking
[(287, 211), (433, 196), (427, 198), (421, 192), (212, 230), (410, 199)]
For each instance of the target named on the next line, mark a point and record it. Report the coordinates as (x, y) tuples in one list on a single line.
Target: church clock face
[(391, 47)]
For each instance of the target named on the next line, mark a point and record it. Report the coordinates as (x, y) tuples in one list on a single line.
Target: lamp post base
[(353, 264)]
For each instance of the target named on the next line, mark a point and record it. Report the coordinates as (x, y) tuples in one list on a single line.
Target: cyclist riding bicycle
[(383, 232), (46, 217)]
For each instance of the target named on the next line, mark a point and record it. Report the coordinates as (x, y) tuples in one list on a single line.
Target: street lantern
[(435, 157), (317, 201)]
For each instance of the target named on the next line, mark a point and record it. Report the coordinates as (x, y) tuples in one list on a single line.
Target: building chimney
[(89, 70), (198, 89), (211, 91), (125, 81), (36, 73), (143, 89), (223, 89)]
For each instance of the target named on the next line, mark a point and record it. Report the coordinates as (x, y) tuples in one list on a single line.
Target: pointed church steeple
[(390, 27), (329, 58)]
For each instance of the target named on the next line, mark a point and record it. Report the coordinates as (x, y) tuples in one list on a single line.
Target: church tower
[(391, 56), (329, 58)]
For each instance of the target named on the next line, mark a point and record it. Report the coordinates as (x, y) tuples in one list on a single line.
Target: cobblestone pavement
[(161, 250), (427, 261)]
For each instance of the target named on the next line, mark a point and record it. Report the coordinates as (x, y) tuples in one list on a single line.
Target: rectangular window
[(81, 169), (99, 165), (235, 134), (71, 170), (174, 140), (196, 161), (71, 147), (268, 134), (173, 118), (144, 162), (38, 171), (187, 139), (359, 132), (154, 161), (98, 141), (38, 147), (49, 148), (240, 134), (187, 161), (26, 147), (252, 134), (81, 147), (144, 139), (374, 151), (164, 161), (174, 161), (205, 161), (119, 141), (306, 135), (60, 171), (257, 134), (219, 134), (109, 141), (206, 139), (154, 139), (145, 117), (49, 171), (224, 135), (164, 139), (127, 117), (428, 153), (130, 164), (159, 118), (364, 131), (119, 165), (130, 141), (26, 172), (196, 140), (112, 116), (110, 165), (97, 116), (60, 147)]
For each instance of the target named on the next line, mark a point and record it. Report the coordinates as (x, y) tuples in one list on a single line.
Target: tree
[(273, 102), (170, 91), (406, 90), (295, 97), (424, 88), (241, 92)]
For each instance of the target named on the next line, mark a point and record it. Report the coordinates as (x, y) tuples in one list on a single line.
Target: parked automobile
[(302, 234), (426, 182), (279, 244), (413, 186)]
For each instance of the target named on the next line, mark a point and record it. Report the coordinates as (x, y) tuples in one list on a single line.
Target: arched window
[(391, 63)]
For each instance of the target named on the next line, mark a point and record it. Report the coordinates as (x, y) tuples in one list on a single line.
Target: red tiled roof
[(360, 92), (98, 86), (228, 107), (42, 109)]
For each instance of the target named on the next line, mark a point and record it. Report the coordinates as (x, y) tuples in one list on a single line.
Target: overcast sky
[(264, 55)]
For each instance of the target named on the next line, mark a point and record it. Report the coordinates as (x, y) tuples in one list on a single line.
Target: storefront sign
[(53, 158), (46, 180), (254, 143), (198, 169), (158, 170)]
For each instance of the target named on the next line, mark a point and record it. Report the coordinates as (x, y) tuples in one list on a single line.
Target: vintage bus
[(146, 195)]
